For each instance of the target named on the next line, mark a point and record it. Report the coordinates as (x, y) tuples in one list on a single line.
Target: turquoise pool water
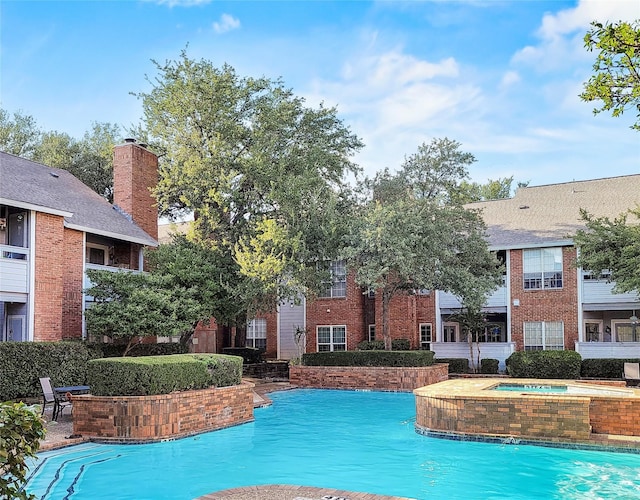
[(531, 388), (360, 441)]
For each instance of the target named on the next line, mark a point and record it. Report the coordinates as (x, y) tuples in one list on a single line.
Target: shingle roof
[(549, 214), (27, 183)]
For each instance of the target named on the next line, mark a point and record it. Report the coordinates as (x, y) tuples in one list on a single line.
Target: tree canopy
[(90, 159), (611, 249), (415, 234), (616, 82), (264, 175)]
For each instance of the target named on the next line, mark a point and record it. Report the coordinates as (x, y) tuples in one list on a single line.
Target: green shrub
[(544, 364), (368, 358), (605, 367), (21, 430), (378, 345), (456, 365), (489, 366), (23, 363), (249, 355), (102, 350), (149, 375), (371, 345)]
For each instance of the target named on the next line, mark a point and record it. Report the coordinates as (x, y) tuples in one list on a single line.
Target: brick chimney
[(135, 173)]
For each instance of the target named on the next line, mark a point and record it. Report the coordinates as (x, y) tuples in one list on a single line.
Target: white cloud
[(509, 78), (561, 34), (226, 23)]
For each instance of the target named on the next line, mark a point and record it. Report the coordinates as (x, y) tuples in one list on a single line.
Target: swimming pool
[(359, 441)]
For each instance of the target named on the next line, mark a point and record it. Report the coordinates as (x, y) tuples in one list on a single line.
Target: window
[(425, 336), (494, 332), (450, 332), (542, 268), (338, 286), (97, 254), (332, 338), (544, 335), (593, 332), (372, 332), (257, 333)]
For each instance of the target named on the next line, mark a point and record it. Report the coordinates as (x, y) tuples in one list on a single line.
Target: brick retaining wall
[(615, 416), (367, 377), (165, 416)]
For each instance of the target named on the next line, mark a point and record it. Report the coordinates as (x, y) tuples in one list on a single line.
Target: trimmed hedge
[(249, 355), (456, 365), (489, 366), (368, 358), (22, 363), (150, 375), (605, 368), (378, 345), (544, 364), (99, 350)]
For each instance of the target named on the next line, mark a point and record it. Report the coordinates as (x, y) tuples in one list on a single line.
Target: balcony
[(14, 270), (86, 284), (598, 295), (496, 300)]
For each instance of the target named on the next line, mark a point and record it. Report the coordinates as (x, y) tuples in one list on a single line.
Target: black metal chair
[(49, 396)]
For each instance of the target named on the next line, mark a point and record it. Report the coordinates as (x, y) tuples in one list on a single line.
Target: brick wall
[(151, 418), (615, 416), (406, 312), (349, 311), (367, 377), (72, 284), (50, 265), (135, 171), (534, 416), (545, 305)]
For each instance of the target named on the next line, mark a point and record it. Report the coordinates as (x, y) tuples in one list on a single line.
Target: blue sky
[(500, 77)]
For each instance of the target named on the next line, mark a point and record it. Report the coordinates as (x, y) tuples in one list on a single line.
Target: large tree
[(19, 134), (611, 249), (616, 82), (264, 175), (414, 233)]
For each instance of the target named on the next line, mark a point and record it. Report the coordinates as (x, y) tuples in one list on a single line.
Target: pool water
[(359, 441), (531, 388)]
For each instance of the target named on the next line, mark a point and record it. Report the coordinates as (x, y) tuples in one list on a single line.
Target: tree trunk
[(241, 331)]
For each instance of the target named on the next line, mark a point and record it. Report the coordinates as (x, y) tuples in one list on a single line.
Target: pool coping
[(293, 492)]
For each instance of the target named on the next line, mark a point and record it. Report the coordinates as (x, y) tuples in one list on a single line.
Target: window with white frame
[(257, 333), (372, 332), (97, 254), (450, 332), (338, 286), (332, 338), (544, 336), (425, 336), (542, 268)]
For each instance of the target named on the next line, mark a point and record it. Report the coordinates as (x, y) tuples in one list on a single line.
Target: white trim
[(31, 313), (116, 236), (431, 339), (580, 284), (98, 246), (84, 293), (526, 246), (37, 208), (278, 330), (508, 292), (331, 342), (454, 324)]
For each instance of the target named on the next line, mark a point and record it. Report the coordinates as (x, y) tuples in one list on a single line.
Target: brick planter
[(165, 416), (367, 377)]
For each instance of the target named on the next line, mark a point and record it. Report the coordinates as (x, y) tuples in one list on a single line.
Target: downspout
[(84, 279), (579, 281)]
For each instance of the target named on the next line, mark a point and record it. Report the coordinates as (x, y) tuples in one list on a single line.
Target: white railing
[(14, 269), (600, 292), (86, 284), (617, 350), (496, 299), (492, 350)]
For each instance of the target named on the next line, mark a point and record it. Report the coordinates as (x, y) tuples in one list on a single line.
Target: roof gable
[(52, 190)]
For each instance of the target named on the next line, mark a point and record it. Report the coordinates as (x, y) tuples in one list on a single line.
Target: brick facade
[(545, 305), (50, 267), (72, 284), (153, 418), (367, 377), (135, 172)]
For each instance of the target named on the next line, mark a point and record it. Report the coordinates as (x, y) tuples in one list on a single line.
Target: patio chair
[(49, 396), (631, 373)]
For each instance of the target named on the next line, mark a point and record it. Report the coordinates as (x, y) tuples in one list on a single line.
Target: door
[(17, 229), (15, 328)]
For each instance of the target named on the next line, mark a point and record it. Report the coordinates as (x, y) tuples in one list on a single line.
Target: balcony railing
[(14, 269), (496, 299), (600, 292)]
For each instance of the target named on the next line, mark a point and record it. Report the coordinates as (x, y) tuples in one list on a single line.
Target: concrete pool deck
[(601, 413)]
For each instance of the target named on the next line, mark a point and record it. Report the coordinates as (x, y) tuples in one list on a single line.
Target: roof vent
[(143, 144), (53, 174), (523, 207), (130, 139)]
